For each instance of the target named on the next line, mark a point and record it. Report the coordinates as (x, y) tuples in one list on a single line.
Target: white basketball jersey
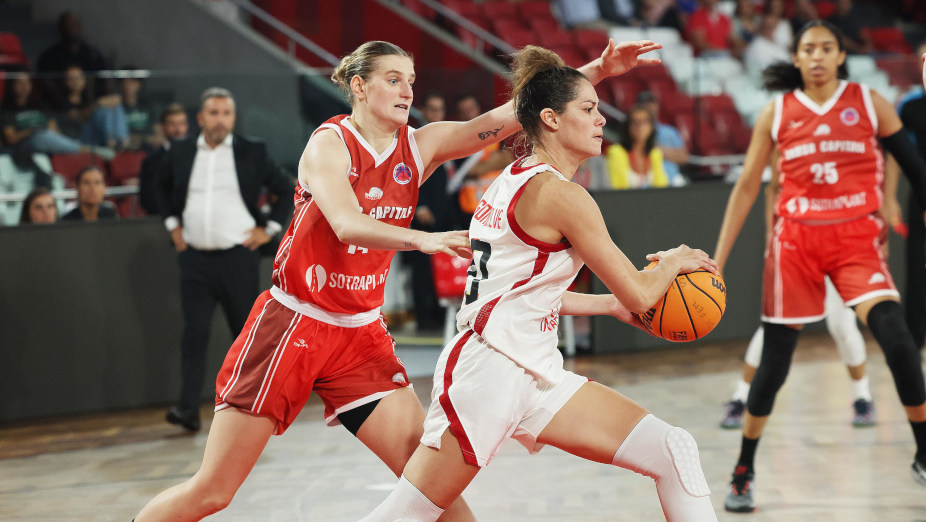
[(515, 283)]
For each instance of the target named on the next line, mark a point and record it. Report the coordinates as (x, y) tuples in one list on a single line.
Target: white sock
[(742, 391), (405, 504), (861, 389)]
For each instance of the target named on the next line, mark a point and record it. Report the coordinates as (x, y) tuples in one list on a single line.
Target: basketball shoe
[(864, 413), (733, 415), (739, 499), (919, 472)]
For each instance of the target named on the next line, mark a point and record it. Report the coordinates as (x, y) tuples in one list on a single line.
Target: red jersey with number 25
[(312, 264), (830, 164)]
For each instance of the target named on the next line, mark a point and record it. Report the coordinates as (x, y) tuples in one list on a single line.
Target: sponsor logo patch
[(315, 277), (374, 193), (822, 130), (876, 278)]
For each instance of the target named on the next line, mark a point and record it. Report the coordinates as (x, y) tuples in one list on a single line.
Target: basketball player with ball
[(831, 171), (502, 376), (319, 329)]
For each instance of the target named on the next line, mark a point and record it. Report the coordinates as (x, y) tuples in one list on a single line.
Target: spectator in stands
[(783, 33), (592, 174), (91, 188), (661, 13), (745, 22), (99, 121), (804, 11), (71, 49), (475, 173), (39, 208), (431, 215), (710, 31), (575, 14), (620, 12), (28, 126), (210, 187), (174, 126), (636, 161), (764, 50), (852, 22), (144, 131), (668, 139)]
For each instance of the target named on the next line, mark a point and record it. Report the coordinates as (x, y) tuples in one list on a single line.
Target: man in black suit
[(209, 194), (175, 126)]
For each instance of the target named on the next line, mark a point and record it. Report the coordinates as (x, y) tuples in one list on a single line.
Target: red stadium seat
[(465, 8), (68, 165), (650, 73), (685, 122), (449, 273), (519, 38), (469, 38), (541, 25), (503, 26), (825, 8), (902, 69), (499, 10), (11, 51), (569, 55), (591, 38), (677, 104), (125, 166), (714, 103), (535, 9), (555, 39), (889, 40), (625, 93), (420, 9)]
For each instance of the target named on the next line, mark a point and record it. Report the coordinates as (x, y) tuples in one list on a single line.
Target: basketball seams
[(681, 296), (705, 293)]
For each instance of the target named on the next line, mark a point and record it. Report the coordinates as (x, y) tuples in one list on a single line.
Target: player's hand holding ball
[(694, 302)]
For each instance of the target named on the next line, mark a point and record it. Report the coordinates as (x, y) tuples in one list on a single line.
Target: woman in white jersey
[(502, 376), (319, 329)]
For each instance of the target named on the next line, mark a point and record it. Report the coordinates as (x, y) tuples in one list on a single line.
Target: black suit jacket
[(149, 181), (255, 171)]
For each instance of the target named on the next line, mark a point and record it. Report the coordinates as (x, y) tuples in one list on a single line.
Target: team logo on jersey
[(374, 193), (849, 116), (315, 277), (402, 174), (399, 379), (876, 278), (822, 130), (797, 205)]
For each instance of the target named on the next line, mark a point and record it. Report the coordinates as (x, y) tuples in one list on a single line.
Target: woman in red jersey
[(502, 377), (831, 169), (319, 327)]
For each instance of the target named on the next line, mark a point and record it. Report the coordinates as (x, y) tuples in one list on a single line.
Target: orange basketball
[(690, 309)]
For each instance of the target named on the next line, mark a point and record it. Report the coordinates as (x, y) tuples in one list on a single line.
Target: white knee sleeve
[(842, 325), (754, 350), (405, 504), (669, 455)]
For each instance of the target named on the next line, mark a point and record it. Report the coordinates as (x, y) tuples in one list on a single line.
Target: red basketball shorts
[(281, 356), (799, 255)]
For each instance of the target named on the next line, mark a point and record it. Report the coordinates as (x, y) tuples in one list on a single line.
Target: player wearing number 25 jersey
[(831, 173)]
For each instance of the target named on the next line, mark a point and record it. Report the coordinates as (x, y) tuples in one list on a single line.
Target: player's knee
[(665, 453), (888, 326), (209, 495), (780, 342)]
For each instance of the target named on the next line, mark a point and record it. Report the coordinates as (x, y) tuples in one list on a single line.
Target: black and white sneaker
[(739, 499), (919, 472)]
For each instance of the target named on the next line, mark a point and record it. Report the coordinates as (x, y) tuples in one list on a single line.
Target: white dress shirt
[(215, 216)]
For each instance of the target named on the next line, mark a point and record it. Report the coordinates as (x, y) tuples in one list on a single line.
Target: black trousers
[(207, 278), (915, 298)]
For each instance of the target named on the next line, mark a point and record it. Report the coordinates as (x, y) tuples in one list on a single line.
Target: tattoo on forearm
[(493, 133), (408, 245)]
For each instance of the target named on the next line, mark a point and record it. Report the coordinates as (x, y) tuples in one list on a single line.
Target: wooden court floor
[(811, 466)]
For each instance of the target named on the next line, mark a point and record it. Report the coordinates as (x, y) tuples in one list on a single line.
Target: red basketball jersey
[(830, 164), (312, 264)]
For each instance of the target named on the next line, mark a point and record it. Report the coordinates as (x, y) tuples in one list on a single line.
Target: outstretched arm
[(747, 186), (323, 169), (442, 141)]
